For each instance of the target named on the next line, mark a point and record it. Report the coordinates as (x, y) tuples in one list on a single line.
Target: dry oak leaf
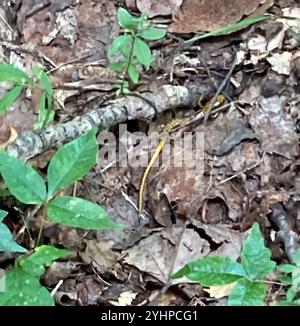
[(207, 15), (158, 8)]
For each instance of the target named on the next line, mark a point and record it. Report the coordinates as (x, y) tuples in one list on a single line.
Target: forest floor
[(250, 166)]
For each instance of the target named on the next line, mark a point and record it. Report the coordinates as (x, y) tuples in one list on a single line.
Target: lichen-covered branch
[(31, 143), (285, 233)]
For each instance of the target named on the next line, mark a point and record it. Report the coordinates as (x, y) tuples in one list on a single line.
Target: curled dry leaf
[(158, 8), (157, 254), (125, 299), (220, 291), (274, 127), (100, 254), (207, 15)]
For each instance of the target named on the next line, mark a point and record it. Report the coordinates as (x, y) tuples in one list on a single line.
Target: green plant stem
[(43, 220), (128, 65), (26, 227)]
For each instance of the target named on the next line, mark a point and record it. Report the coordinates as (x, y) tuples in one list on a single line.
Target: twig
[(242, 172), (219, 90), (58, 285), (6, 23), (285, 233), (31, 143)]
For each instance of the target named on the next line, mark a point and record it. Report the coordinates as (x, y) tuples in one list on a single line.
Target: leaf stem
[(128, 63), (43, 220)]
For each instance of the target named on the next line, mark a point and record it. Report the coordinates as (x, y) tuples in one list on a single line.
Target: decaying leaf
[(281, 62), (220, 291), (207, 15), (274, 127), (155, 254), (125, 299), (158, 8), (100, 255)]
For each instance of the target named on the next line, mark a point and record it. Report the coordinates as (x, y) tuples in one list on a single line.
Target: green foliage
[(22, 181), (79, 213), (255, 264), (70, 163), (14, 75), (256, 258), (23, 287), (231, 28), (133, 51), (212, 271), (7, 244), (291, 277), (46, 111), (21, 81), (9, 98), (247, 293)]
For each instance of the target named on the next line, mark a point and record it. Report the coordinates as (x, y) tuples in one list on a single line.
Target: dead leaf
[(220, 291), (99, 254), (155, 254), (274, 127), (207, 15), (158, 8), (125, 299), (231, 241), (60, 271), (11, 139), (281, 62)]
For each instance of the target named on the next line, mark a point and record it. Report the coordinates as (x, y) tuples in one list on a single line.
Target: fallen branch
[(285, 233), (31, 143)]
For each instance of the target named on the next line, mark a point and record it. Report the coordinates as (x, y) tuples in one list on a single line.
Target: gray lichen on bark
[(31, 143)]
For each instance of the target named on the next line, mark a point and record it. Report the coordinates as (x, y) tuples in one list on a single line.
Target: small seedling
[(290, 275), (249, 288), (132, 50), (70, 163), (20, 81)]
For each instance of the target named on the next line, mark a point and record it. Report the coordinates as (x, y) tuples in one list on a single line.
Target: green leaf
[(230, 28), (126, 20), (4, 193), (247, 293), (142, 52), (8, 99), (23, 289), (255, 257), (77, 212), (286, 268), (287, 303), (46, 114), (296, 279), (72, 162), (133, 74), (120, 44), (22, 281), (117, 66), (212, 271), (285, 279), (290, 294), (296, 257), (7, 244), (3, 214), (13, 74), (23, 181), (153, 34), (43, 256), (45, 82)]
